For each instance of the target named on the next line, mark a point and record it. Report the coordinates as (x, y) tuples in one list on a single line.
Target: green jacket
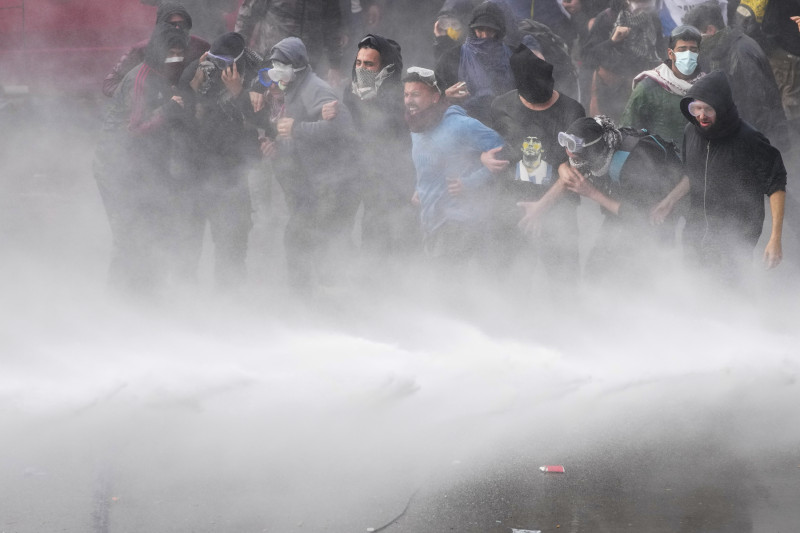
[(655, 109)]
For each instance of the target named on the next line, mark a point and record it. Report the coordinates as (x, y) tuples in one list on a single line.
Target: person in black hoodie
[(173, 14), (223, 148), (730, 167), (386, 174), (132, 164)]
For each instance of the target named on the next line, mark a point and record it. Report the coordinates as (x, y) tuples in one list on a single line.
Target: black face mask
[(537, 91)]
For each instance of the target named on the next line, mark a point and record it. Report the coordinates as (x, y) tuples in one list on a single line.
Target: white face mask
[(686, 62), (281, 73), (178, 59)]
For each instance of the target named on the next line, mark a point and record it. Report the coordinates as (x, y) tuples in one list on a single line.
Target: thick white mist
[(256, 412)]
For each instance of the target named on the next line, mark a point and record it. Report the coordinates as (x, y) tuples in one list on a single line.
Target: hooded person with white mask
[(312, 159)]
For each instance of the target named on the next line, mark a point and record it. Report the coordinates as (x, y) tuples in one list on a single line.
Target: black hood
[(389, 51), (490, 15), (715, 90), (167, 9), (459, 9), (163, 38)]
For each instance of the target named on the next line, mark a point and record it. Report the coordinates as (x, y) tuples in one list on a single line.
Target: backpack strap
[(617, 160)]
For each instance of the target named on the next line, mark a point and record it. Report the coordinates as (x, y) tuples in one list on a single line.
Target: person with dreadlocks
[(132, 163), (627, 174), (224, 149)]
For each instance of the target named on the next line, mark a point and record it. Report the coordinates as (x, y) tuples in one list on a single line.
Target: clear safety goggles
[(425, 75), (574, 144), (697, 108), (369, 41), (223, 62)]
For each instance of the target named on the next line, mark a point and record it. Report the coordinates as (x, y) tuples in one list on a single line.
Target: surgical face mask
[(686, 62)]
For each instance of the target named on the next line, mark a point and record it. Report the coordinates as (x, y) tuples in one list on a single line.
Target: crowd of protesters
[(476, 155)]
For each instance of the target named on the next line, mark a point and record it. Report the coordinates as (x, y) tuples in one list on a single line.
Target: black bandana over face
[(533, 76)]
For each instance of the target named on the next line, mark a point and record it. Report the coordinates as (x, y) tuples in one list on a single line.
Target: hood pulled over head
[(489, 15), (290, 51), (715, 90), (164, 38), (167, 9)]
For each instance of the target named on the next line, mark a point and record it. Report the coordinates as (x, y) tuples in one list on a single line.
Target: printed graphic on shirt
[(532, 167)]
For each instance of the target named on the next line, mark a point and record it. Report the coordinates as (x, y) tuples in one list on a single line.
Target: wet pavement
[(209, 428)]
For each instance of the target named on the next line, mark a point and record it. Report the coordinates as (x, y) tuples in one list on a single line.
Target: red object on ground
[(554, 469)]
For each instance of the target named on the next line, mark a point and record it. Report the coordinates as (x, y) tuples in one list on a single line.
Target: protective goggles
[(263, 77), (574, 144), (223, 62), (369, 41), (424, 75), (697, 108)]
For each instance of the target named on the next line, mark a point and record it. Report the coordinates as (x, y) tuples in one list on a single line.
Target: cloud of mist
[(253, 411)]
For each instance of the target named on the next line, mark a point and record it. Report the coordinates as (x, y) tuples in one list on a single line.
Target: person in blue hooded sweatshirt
[(450, 152)]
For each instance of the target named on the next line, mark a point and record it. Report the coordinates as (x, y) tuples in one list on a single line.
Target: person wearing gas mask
[(375, 101), (132, 164), (653, 105), (173, 14), (529, 120), (222, 150), (312, 159), (628, 174)]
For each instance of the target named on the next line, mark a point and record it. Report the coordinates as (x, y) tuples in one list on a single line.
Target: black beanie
[(228, 44), (534, 76)]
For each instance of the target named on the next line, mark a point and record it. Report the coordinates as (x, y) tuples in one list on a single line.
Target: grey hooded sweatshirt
[(320, 149)]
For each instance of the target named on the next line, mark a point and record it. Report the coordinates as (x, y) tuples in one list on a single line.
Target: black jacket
[(751, 79), (380, 124), (731, 166)]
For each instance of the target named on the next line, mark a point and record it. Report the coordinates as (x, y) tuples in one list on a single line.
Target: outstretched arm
[(660, 212), (534, 211), (773, 253)]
